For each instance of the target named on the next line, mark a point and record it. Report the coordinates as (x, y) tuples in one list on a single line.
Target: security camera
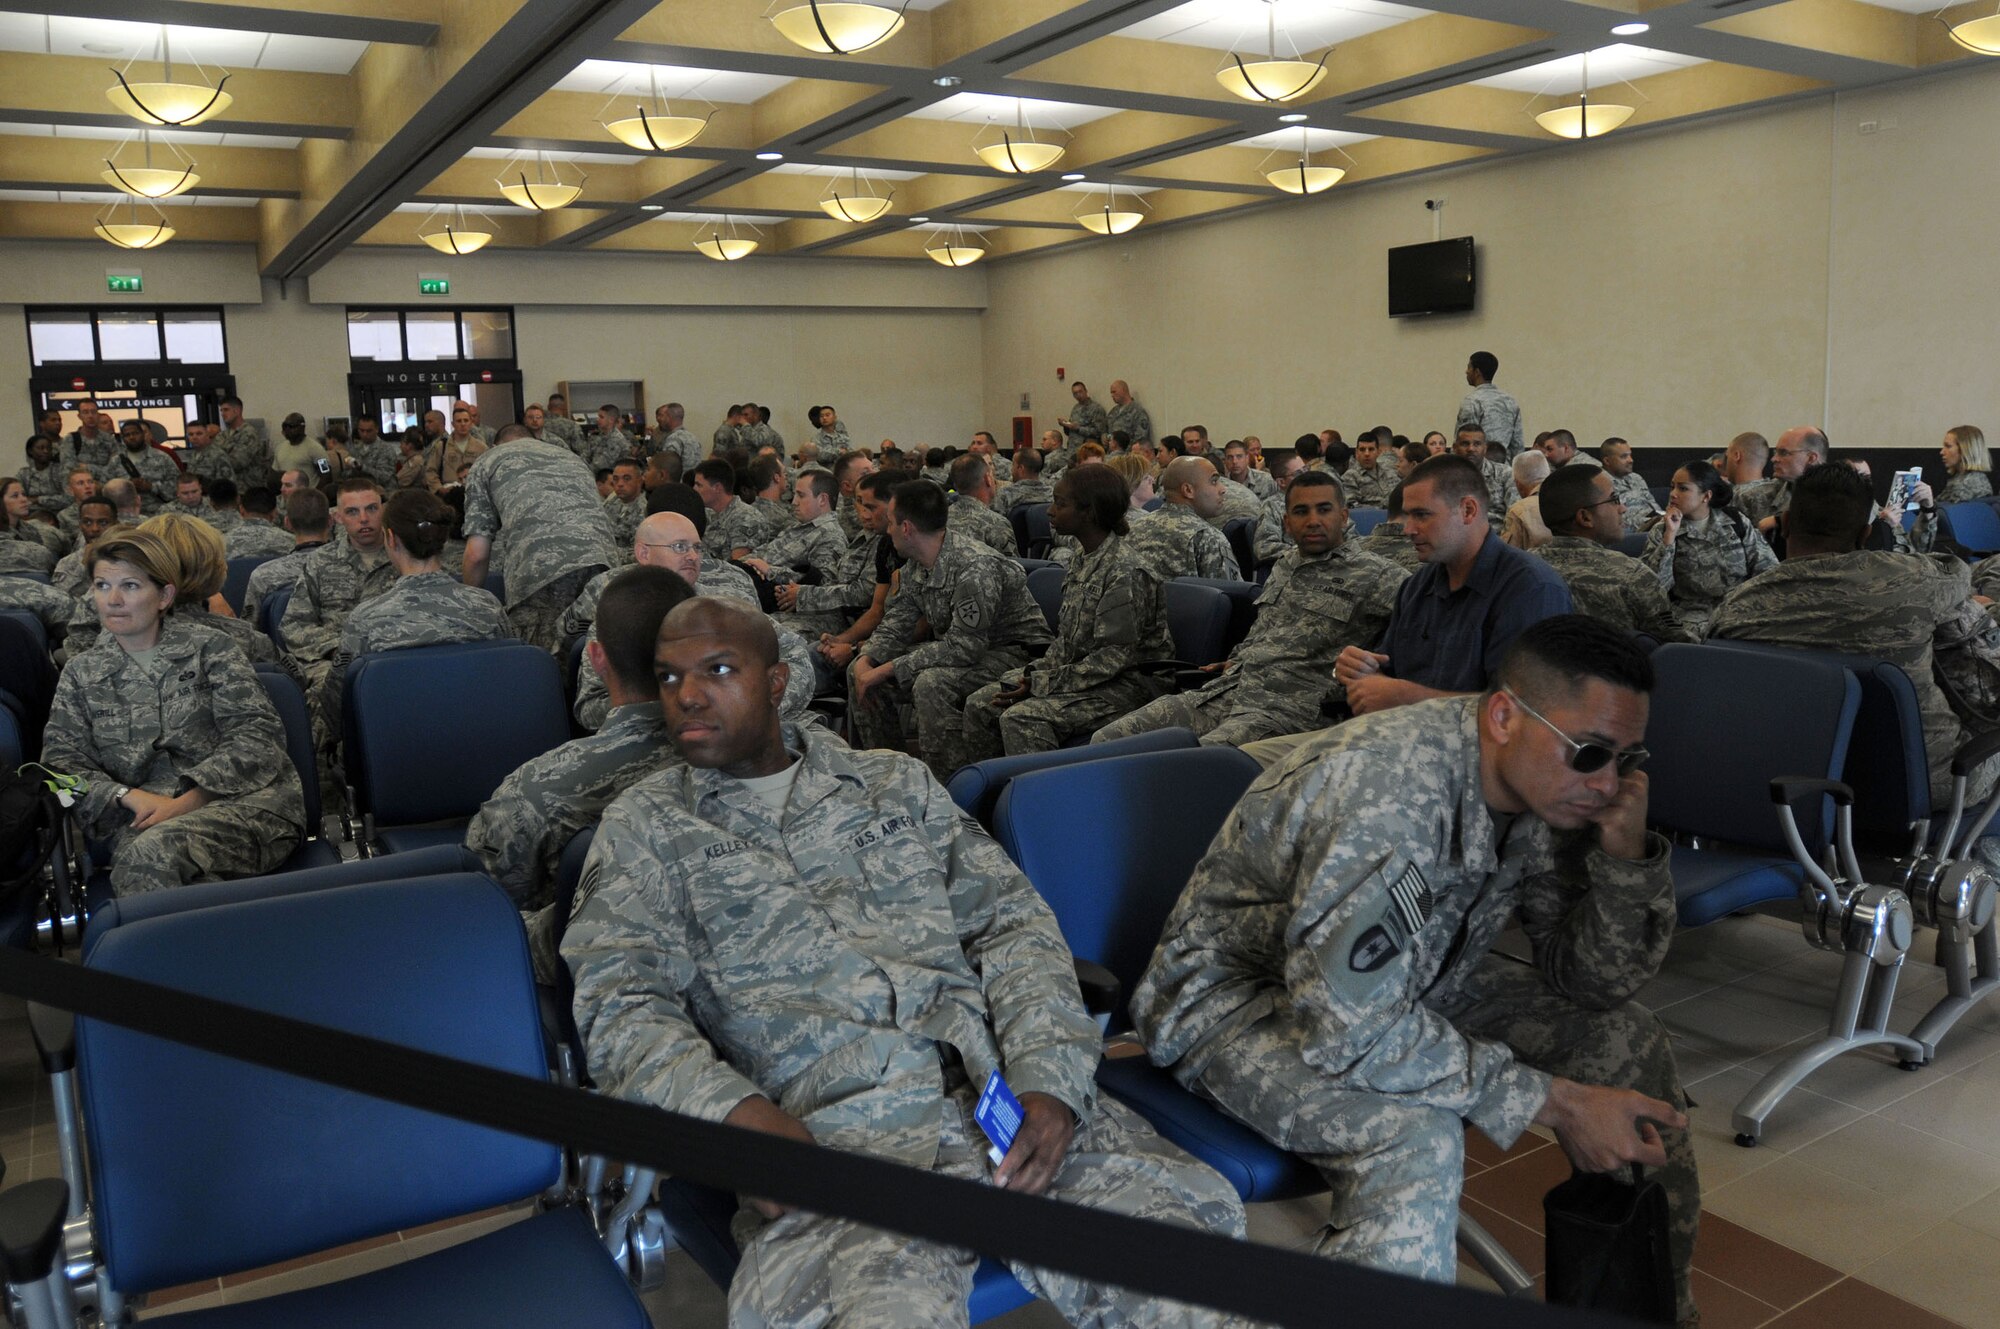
[(1433, 204)]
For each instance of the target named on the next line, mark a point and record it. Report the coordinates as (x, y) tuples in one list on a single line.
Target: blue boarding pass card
[(999, 1115)]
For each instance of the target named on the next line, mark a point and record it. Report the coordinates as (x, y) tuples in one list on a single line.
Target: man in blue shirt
[(1456, 615)]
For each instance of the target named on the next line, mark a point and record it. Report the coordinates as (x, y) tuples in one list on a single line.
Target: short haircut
[(1613, 442), (1315, 480), (513, 433), (1453, 478), (306, 512), (1416, 453), (1564, 437), (1815, 442), (1027, 461), (882, 484), (764, 472), (629, 614), (1565, 493), (99, 502), (846, 462), (1830, 503), (717, 472), (1394, 504), (420, 520), (259, 500), (188, 477), (231, 400), (1120, 439), (966, 472), (1552, 658), (222, 490), (823, 484), (638, 466), (1101, 493), (354, 484), (934, 457), (1307, 446), (615, 413), (922, 504), (375, 420), (1486, 363), (1236, 445), (1533, 467)]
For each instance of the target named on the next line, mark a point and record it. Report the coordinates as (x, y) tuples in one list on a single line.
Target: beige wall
[(1672, 287)]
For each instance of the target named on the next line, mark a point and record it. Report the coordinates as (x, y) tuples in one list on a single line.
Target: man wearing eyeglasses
[(1586, 520), (1796, 450), (1339, 999)]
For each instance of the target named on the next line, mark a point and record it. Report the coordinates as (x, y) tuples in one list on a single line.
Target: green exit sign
[(433, 286), (123, 282)]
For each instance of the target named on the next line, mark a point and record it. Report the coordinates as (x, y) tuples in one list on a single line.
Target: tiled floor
[(1872, 1200)]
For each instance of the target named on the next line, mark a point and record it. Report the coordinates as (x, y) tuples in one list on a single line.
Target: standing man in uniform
[(204, 456), (792, 937), (445, 458), (609, 445), (372, 455), (544, 498), (92, 443), (730, 435), (1086, 420), (1128, 416), (982, 623), (675, 437), (626, 507), (831, 436), (758, 434), (561, 428), (1493, 412), (248, 451), (1325, 977)]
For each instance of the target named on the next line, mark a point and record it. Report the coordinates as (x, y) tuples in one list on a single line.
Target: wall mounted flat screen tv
[(1438, 278)]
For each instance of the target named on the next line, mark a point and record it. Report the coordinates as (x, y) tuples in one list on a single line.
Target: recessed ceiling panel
[(977, 108), (1617, 63), (117, 41), (716, 85), (1311, 24)]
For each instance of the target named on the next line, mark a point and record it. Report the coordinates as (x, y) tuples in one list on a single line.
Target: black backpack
[(31, 819)]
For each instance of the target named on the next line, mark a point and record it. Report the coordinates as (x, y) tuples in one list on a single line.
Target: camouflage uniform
[(557, 535), (684, 445), (1311, 609), (1498, 415), (983, 623), (1965, 487), (562, 431), (1887, 606), (1132, 418), (55, 608), (1174, 541), (833, 604), (1267, 533), (22, 550), (248, 454), (864, 958), (1113, 621), (816, 546), (1631, 490), (257, 539), (1500, 491), (69, 576), (1762, 498), (845, 513), (832, 442), (1613, 587), (735, 527), (605, 450), (1037, 490), (331, 582), (1366, 486), (47, 485), (1325, 978), (1266, 488), (1091, 422), (256, 647), (210, 462), (727, 439), (761, 435), (974, 520), (188, 714), (444, 457), (94, 452), (775, 513), (520, 832), (410, 471), (1002, 468), (624, 518), (1705, 562), (151, 465), (1388, 541), (421, 609), (275, 575), (377, 461)]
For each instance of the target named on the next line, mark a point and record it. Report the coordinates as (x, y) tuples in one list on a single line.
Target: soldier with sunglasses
[(1337, 996)]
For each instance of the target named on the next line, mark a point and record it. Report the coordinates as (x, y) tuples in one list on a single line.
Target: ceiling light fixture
[(724, 243), (147, 180), (836, 27), (653, 126), (1270, 76), (947, 80), (1631, 29), (918, 221), (167, 102), (1301, 176), (1110, 218), (652, 207), (1980, 35), (770, 156), (132, 233), (1586, 119), (455, 236), (859, 204), (1017, 151), (538, 182), (1074, 176), (951, 247)]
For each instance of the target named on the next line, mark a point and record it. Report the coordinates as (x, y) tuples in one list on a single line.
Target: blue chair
[(28, 672), (440, 965), (290, 703), (1632, 543), (1243, 596), (238, 580), (31, 574), (1153, 504), (1241, 532), (496, 585), (976, 789), (1363, 521), (1046, 585), (271, 614), (1975, 526), (1032, 522), (1198, 618), (500, 702), (1030, 566)]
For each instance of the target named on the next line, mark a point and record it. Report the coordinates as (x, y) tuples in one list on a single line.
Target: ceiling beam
[(404, 22), (69, 90)]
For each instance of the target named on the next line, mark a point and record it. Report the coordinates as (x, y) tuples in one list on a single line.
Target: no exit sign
[(433, 286), (123, 283)]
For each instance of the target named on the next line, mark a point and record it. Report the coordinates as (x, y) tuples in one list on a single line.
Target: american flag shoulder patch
[(1411, 895)]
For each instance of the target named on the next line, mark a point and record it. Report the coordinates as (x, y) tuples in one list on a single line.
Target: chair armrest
[(1101, 988), (55, 1037), (31, 1226), (1162, 667), (1975, 752), (1791, 790)]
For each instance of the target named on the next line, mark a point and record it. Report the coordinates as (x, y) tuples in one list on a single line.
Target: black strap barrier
[(1261, 1282)]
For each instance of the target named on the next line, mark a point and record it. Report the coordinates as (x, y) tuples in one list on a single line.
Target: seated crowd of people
[(784, 923)]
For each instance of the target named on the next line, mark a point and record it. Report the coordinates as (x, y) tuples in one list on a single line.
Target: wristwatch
[(118, 792)]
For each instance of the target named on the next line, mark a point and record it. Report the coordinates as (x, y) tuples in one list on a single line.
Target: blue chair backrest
[(1363, 521), (1198, 621), (13, 732), (1032, 565), (1154, 503), (291, 705), (1241, 532), (26, 669), (1046, 585), (433, 730), (1724, 723), (1975, 525), (1035, 521), (496, 586), (569, 874), (238, 580), (1092, 839), (1632, 543), (271, 613), (976, 788), (203, 1166), (1242, 606)]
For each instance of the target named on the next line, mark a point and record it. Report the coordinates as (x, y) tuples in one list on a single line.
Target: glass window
[(489, 334), (374, 335), (195, 338), (433, 334), (61, 335), (128, 334)]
